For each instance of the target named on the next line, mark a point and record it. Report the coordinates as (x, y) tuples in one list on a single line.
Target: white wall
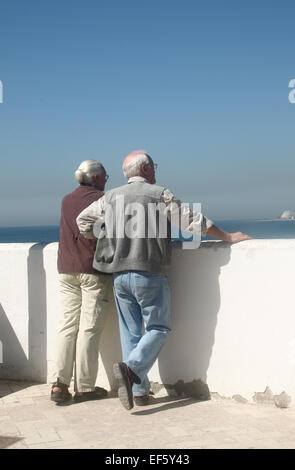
[(233, 317)]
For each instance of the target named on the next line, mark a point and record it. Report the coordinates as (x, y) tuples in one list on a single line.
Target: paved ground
[(29, 420)]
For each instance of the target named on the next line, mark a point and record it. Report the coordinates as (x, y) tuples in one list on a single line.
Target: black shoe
[(97, 394), (61, 396), (126, 378)]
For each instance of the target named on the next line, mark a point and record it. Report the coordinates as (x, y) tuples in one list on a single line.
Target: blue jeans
[(142, 296)]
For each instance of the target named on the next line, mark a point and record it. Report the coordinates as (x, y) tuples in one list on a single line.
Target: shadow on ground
[(6, 441), (168, 405), (10, 386)]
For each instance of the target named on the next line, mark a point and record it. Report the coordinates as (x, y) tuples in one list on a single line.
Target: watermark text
[(151, 220)]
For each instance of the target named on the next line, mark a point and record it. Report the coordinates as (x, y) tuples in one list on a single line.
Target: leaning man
[(83, 294), (138, 266)]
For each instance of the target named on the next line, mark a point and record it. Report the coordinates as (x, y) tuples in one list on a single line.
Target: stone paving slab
[(29, 420)]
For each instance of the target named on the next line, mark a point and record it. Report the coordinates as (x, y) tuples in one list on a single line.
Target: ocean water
[(29, 234), (255, 228), (259, 228)]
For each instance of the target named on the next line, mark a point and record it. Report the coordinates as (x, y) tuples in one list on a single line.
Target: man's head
[(139, 163), (93, 173)]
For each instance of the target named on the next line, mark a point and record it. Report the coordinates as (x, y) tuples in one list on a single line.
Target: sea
[(255, 228)]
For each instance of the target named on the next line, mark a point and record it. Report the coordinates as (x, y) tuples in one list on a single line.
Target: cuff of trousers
[(61, 379)]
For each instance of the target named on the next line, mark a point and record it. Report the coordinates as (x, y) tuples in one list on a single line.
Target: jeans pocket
[(145, 278)]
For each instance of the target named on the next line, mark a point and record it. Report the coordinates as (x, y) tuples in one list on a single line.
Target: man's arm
[(236, 237), (197, 222), (89, 216), (182, 217)]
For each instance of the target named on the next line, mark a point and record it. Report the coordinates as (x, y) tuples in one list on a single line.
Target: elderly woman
[(83, 294)]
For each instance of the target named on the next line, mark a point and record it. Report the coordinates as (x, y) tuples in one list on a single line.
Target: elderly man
[(83, 293), (138, 265)]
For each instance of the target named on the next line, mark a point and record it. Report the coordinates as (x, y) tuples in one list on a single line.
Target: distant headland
[(288, 215)]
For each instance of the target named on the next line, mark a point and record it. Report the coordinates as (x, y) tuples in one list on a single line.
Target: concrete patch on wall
[(240, 399), (268, 398), (264, 398), (283, 400), (199, 389)]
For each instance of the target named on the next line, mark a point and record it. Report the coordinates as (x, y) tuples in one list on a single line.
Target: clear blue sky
[(202, 86)]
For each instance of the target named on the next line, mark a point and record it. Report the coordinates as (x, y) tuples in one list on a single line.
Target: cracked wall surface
[(230, 305)]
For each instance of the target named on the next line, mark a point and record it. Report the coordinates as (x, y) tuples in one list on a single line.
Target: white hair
[(87, 170), (133, 167)]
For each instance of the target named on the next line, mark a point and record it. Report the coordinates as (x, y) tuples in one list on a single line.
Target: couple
[(89, 261)]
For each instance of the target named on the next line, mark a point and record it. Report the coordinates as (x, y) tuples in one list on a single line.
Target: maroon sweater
[(75, 252)]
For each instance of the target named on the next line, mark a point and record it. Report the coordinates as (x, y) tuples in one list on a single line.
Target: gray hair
[(133, 167), (87, 170)]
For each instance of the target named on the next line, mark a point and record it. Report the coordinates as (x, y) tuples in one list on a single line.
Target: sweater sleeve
[(180, 215), (89, 217)]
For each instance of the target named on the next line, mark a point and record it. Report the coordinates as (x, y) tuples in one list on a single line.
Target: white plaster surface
[(233, 317)]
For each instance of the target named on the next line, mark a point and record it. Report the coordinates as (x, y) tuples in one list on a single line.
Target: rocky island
[(288, 215)]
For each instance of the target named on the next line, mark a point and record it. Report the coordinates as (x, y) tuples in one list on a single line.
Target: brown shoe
[(96, 394), (62, 394), (142, 400)]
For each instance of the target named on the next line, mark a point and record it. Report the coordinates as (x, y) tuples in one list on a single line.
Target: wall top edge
[(15, 246), (213, 244)]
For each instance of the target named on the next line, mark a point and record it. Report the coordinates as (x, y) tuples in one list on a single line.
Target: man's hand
[(238, 237)]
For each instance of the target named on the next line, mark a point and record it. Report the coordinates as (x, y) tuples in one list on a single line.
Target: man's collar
[(133, 179), (87, 187)]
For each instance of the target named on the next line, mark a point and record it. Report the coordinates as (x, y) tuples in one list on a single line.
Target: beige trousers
[(84, 302)]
